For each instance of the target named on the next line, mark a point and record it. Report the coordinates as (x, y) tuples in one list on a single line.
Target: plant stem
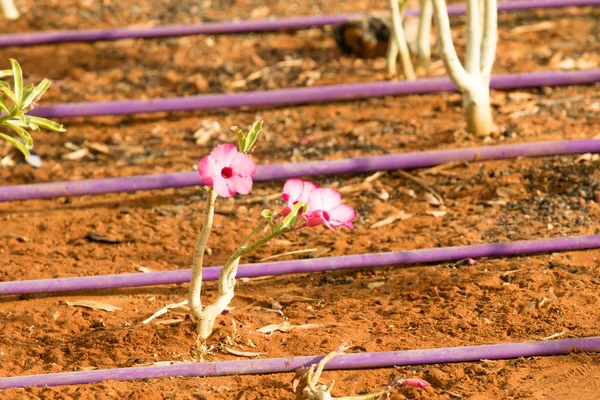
[(424, 37), (392, 56), (490, 37), (400, 37), (474, 87), (229, 270), (457, 73), (207, 316), (9, 10), (256, 230), (473, 39), (478, 110), (195, 302)]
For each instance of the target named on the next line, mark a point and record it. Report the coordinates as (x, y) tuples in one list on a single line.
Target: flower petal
[(324, 199), (342, 215), (224, 154), (347, 225), (292, 190), (240, 184), (313, 219), (306, 190), (242, 165), (415, 382), (207, 168), (223, 186)]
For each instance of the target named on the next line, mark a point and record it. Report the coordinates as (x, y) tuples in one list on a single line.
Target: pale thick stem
[(424, 36), (478, 110), (392, 57), (194, 300), (9, 10), (481, 7), (474, 87), (227, 276), (399, 35), (490, 38), (473, 58), (457, 73), (207, 316)]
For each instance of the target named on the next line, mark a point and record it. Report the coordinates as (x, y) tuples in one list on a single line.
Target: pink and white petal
[(223, 187), (329, 225), (307, 188), (292, 190), (342, 214), (314, 221), (224, 154), (324, 199), (415, 382), (285, 212), (241, 184), (243, 165), (314, 218), (207, 168)]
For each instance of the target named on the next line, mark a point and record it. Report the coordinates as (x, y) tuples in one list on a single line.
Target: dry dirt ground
[(493, 301)]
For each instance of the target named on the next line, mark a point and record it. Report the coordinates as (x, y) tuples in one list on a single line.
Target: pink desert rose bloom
[(227, 170), (325, 207), (294, 191), (415, 382)]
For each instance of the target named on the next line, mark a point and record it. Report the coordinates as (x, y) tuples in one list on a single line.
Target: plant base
[(478, 112)]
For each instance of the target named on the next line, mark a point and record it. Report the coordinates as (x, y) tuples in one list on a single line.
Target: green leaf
[(23, 122), (291, 217), (269, 217), (6, 90), (5, 72), (252, 136), (4, 107), (21, 132), (15, 143), (35, 94), (27, 89), (18, 122), (18, 81), (47, 124), (241, 137)]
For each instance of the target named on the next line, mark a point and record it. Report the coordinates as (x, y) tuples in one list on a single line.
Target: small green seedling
[(15, 103)]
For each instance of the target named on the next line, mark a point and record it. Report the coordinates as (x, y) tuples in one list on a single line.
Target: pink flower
[(415, 382), (227, 170), (294, 191), (325, 207)]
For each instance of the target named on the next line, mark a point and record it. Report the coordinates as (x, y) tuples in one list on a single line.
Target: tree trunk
[(478, 111)]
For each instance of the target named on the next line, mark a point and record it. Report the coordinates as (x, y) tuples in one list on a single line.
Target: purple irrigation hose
[(214, 28), (290, 364), (316, 94), (309, 168), (309, 265)]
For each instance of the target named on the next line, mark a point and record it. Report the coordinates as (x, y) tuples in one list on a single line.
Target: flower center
[(226, 172)]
